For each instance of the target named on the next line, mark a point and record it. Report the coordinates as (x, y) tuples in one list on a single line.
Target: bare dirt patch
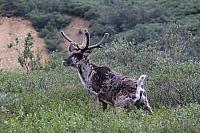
[(76, 25), (16, 27), (10, 29)]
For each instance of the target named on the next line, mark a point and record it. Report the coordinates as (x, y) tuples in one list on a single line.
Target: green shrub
[(143, 32), (41, 18), (178, 43), (48, 25), (27, 59), (140, 59), (52, 100), (55, 61), (172, 84)]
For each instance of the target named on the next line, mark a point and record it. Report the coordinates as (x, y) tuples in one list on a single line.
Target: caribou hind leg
[(147, 107), (105, 105), (122, 102)]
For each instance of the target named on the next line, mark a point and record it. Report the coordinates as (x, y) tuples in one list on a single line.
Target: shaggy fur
[(105, 85)]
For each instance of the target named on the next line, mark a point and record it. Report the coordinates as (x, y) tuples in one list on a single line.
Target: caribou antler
[(87, 34), (98, 45), (67, 38), (75, 46)]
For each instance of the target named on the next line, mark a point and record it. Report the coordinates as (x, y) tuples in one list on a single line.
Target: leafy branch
[(26, 57)]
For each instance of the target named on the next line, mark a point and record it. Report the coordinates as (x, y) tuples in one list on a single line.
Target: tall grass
[(70, 110)]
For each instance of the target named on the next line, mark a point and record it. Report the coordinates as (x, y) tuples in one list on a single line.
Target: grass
[(70, 110), (88, 1)]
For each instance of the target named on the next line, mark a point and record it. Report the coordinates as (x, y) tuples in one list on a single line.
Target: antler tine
[(73, 43), (87, 34), (98, 45), (67, 38), (83, 40)]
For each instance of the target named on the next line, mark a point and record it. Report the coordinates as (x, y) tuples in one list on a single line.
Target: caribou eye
[(78, 56)]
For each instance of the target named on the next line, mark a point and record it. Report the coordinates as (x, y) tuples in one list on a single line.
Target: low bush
[(70, 110), (140, 59), (171, 84)]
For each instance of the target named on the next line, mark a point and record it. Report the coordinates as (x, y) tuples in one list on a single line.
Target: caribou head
[(79, 52)]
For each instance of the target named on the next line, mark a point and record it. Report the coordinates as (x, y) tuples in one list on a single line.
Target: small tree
[(26, 57)]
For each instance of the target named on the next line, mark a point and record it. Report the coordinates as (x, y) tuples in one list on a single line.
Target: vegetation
[(133, 20), (53, 100), (70, 110), (159, 38), (26, 57)]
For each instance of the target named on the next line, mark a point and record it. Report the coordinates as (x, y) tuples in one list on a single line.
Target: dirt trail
[(73, 29), (11, 28)]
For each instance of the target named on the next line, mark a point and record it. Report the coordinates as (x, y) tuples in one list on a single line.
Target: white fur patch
[(139, 89), (82, 81), (141, 79)]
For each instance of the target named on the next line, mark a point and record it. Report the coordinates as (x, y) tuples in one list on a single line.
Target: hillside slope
[(10, 29), (15, 27)]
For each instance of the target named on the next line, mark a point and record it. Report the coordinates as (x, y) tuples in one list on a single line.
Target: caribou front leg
[(94, 97)]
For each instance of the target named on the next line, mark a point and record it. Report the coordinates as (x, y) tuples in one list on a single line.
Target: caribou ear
[(72, 47)]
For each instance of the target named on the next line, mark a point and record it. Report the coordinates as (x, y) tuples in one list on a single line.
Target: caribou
[(103, 84)]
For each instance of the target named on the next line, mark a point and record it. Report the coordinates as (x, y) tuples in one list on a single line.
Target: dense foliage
[(133, 20)]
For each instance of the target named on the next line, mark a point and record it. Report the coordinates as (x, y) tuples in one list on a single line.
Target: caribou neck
[(85, 71)]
